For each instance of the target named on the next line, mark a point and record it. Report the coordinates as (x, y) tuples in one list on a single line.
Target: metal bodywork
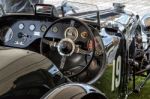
[(125, 22)]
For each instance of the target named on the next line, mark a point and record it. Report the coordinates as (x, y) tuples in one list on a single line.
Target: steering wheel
[(67, 48)]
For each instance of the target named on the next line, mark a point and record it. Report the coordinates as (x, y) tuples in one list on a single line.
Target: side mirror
[(45, 9)]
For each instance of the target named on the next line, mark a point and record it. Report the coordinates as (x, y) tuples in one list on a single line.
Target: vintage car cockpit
[(51, 46), (67, 41)]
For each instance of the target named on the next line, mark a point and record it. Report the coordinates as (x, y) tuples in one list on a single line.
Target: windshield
[(81, 10), (19, 6), (24, 6)]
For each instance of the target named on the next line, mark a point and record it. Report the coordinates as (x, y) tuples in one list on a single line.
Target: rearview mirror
[(45, 9)]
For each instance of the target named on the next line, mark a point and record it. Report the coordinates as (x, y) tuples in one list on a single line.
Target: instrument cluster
[(23, 33)]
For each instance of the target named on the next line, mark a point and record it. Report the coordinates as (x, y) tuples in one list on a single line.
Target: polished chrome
[(61, 42), (124, 23), (86, 89), (145, 25), (72, 33)]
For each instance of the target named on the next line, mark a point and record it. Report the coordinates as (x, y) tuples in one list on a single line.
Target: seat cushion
[(17, 62)]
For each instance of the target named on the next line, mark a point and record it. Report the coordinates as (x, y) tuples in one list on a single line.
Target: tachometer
[(72, 33)]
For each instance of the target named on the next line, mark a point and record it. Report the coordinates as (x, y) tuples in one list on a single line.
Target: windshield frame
[(97, 12)]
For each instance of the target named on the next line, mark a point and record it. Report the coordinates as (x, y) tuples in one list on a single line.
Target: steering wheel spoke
[(72, 23), (62, 63), (50, 43), (84, 52)]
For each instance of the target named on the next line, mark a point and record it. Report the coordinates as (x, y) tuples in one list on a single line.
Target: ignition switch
[(21, 35)]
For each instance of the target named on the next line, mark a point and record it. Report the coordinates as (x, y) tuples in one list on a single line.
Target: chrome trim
[(68, 40)]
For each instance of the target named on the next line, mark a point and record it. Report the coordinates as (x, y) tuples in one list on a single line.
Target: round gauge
[(43, 28), (72, 33), (32, 27), (84, 34), (21, 26), (8, 34), (55, 29)]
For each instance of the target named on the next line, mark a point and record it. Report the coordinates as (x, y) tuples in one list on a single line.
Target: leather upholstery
[(17, 62)]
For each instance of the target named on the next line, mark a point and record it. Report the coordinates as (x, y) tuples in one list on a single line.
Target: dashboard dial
[(55, 29), (72, 33), (43, 28), (32, 27), (21, 26), (84, 34)]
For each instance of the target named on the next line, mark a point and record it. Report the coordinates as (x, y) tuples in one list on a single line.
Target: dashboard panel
[(22, 33)]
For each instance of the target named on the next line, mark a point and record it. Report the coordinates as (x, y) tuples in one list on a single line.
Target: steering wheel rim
[(87, 28)]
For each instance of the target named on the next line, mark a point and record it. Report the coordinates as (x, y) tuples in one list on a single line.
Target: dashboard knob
[(20, 35)]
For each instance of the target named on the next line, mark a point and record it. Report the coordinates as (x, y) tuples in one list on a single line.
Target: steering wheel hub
[(66, 47)]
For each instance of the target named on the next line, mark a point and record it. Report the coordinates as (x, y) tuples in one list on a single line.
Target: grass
[(104, 84)]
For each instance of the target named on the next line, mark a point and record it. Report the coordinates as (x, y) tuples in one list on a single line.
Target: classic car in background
[(55, 53)]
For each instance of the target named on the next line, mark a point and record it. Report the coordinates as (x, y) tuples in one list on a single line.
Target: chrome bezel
[(68, 40), (72, 28), (32, 27), (21, 26), (55, 29)]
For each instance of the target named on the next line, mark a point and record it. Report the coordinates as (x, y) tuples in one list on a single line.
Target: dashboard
[(21, 33)]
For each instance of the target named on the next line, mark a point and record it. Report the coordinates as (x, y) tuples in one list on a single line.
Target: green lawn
[(104, 84)]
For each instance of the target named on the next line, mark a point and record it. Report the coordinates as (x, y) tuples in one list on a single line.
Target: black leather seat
[(17, 62)]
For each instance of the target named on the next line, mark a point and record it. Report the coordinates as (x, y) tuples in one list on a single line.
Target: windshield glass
[(19, 6), (81, 10)]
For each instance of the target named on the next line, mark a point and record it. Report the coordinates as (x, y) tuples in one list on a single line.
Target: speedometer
[(72, 33)]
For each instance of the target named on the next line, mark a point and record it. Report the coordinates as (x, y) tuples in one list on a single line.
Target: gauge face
[(55, 29), (32, 27), (84, 34), (43, 28), (21, 26), (72, 33), (8, 34)]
